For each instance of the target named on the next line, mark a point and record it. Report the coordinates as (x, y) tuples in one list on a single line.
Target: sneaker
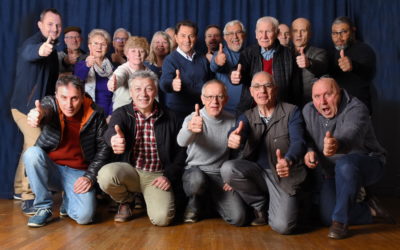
[(41, 217), (28, 208), (338, 230), (124, 213), (260, 218), (17, 197), (190, 216), (63, 211)]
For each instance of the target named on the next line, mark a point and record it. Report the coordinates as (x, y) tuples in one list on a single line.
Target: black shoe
[(338, 230), (379, 213), (260, 218), (190, 216), (28, 208)]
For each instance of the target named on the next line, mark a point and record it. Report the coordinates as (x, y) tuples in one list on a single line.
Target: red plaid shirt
[(145, 154)]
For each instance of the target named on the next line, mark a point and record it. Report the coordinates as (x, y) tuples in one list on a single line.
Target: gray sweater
[(208, 149)]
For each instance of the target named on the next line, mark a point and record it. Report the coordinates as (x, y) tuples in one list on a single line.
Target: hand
[(282, 165), (344, 62), (112, 83), (177, 83), (236, 76), (82, 185), (118, 141), (220, 58), (330, 144), (35, 115), (162, 183), (302, 60), (195, 125), (209, 55), (227, 187), (115, 57), (90, 60), (46, 48), (235, 137), (310, 159)]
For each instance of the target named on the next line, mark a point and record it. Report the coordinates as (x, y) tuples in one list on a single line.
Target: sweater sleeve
[(185, 136), (168, 75), (30, 52), (297, 147), (81, 70)]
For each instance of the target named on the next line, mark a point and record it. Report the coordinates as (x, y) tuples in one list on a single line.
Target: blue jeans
[(338, 194), (46, 176)]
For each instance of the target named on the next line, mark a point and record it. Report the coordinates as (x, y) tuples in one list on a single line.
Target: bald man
[(311, 62), (346, 154)]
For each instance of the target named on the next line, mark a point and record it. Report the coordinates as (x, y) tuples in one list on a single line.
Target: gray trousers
[(255, 185), (229, 205)]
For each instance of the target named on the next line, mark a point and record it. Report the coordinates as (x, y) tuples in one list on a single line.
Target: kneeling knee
[(282, 227)]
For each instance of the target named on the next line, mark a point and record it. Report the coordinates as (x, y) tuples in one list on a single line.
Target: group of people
[(132, 122)]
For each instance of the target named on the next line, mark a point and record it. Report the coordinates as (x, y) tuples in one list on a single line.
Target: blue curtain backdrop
[(375, 20)]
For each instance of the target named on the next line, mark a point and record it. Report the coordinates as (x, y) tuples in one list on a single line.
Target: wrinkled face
[(119, 40), (98, 46), (300, 33), (234, 37), (263, 90), (214, 99), (284, 35), (186, 38), (73, 40), (341, 35), (69, 99), (213, 38), (136, 56), (143, 92), (51, 25), (326, 97), (160, 46), (265, 34)]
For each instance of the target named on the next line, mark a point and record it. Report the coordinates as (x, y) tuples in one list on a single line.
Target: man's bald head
[(326, 97), (301, 32)]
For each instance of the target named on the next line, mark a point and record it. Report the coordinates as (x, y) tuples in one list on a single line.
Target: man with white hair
[(120, 37)]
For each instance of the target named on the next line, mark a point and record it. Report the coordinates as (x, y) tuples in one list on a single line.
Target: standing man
[(284, 35), (73, 52), (184, 72), (353, 62), (226, 59), (204, 133), (143, 134), (347, 155), (311, 62), (213, 38), (68, 153), (268, 56), (36, 75)]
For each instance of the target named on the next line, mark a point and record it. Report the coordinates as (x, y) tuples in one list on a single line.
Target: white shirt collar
[(190, 58)]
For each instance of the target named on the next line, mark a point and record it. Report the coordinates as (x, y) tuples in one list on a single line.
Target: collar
[(267, 54), (190, 58), (154, 113)]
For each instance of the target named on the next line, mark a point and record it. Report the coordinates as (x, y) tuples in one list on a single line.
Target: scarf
[(105, 70)]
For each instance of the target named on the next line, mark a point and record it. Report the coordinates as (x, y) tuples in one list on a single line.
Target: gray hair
[(152, 56), (121, 30), (269, 19), (70, 79), (233, 22), (144, 74), (99, 32), (213, 81)]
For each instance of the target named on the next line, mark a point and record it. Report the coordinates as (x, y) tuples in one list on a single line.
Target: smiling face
[(160, 46), (326, 97), (119, 40), (266, 34), (51, 25), (136, 56), (186, 39), (214, 98), (341, 35), (301, 32), (143, 92), (263, 90), (284, 35), (98, 46), (213, 38), (73, 40), (69, 99), (234, 37)]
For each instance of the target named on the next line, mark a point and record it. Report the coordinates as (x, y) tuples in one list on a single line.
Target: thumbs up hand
[(344, 62), (282, 165), (330, 144), (90, 60), (177, 83), (302, 60), (46, 48), (195, 125), (236, 76), (35, 115), (112, 83), (220, 58), (118, 141), (235, 138)]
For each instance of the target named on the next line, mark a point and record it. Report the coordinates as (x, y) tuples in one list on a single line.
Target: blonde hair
[(99, 32), (136, 42), (152, 55)]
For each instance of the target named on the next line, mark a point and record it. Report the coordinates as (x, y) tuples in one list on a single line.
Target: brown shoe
[(124, 213), (260, 218), (338, 230)]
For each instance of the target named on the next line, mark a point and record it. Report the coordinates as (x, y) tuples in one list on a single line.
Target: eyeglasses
[(267, 85), (120, 40), (99, 44), (72, 37), (237, 33), (209, 98), (340, 33)]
